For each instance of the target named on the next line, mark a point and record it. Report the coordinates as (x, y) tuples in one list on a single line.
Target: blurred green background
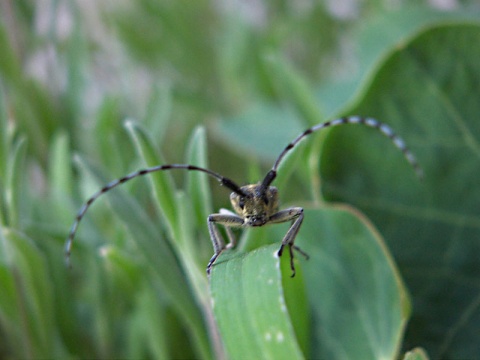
[(93, 90)]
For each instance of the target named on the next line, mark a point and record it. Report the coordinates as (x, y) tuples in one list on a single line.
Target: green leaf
[(266, 138), (4, 139), (4, 151), (176, 208), (148, 329), (198, 184), (26, 302), (60, 174), (294, 89), (376, 36), (14, 189), (108, 140), (124, 269), (359, 304), (161, 257), (158, 113), (162, 181), (426, 91), (250, 308), (416, 354), (382, 33)]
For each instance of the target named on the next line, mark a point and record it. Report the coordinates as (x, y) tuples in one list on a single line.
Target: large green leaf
[(273, 131), (358, 304), (250, 307), (376, 36), (428, 91)]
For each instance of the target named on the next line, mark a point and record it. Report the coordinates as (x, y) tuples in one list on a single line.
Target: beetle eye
[(241, 202)]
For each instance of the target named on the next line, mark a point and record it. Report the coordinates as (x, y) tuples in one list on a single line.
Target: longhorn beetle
[(255, 204)]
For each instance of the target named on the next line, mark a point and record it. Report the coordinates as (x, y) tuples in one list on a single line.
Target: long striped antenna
[(383, 128), (81, 213)]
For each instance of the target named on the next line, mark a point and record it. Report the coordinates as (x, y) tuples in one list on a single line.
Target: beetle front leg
[(228, 220), (232, 241), (295, 215)]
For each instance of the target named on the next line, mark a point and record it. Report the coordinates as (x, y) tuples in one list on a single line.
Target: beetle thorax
[(253, 206)]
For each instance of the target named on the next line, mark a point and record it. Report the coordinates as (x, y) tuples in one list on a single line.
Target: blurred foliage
[(90, 91)]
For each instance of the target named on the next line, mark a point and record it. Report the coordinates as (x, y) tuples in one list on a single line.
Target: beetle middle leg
[(294, 214)]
